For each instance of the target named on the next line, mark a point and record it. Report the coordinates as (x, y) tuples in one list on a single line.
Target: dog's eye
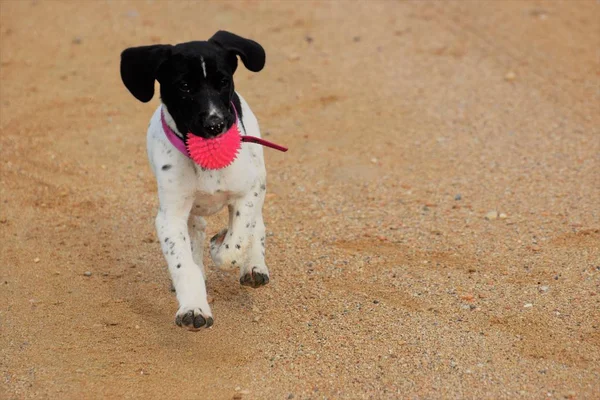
[(184, 87), (225, 81)]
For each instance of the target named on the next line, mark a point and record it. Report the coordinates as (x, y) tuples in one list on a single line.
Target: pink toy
[(219, 152), (215, 153)]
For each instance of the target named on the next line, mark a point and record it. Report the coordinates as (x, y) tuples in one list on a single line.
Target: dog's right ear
[(139, 66)]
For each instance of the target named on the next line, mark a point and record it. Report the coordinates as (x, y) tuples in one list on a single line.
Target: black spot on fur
[(166, 167), (166, 239), (178, 265), (255, 194), (263, 187), (237, 246), (226, 246), (233, 262), (237, 213)]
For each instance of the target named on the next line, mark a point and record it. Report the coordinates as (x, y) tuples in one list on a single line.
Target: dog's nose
[(214, 125)]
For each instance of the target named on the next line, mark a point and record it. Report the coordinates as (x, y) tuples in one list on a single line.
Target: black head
[(196, 79)]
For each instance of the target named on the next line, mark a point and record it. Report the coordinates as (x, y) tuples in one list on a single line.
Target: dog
[(198, 97)]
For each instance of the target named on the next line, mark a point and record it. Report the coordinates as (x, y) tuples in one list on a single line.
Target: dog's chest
[(215, 189)]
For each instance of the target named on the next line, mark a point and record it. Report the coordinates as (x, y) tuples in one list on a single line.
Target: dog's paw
[(256, 277), (193, 319), (226, 253), (217, 240)]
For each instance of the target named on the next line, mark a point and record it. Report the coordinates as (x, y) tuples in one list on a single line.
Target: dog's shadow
[(224, 286)]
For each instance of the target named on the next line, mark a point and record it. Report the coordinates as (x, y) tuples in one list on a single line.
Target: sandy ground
[(408, 123)]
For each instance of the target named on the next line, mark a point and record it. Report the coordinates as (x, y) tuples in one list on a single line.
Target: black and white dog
[(198, 97)]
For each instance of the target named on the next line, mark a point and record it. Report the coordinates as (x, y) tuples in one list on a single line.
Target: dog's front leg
[(254, 272), (188, 278), (242, 243)]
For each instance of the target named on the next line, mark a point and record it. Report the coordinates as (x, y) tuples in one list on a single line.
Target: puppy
[(198, 98)]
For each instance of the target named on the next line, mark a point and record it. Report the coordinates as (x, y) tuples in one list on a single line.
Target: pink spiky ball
[(215, 153)]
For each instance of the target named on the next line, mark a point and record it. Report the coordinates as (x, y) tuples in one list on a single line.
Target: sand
[(434, 230)]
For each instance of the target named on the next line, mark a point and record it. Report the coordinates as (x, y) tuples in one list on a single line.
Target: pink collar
[(172, 136), (179, 144)]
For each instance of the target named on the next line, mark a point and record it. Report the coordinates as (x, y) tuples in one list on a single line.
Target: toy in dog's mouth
[(218, 152), (221, 151), (215, 153)]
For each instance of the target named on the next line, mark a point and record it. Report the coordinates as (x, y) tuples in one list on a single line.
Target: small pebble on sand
[(36, 260), (502, 216), (510, 76), (528, 305), (492, 215), (544, 288), (87, 273), (458, 197)]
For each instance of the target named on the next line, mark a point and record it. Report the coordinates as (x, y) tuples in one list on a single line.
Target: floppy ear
[(139, 66), (251, 53)]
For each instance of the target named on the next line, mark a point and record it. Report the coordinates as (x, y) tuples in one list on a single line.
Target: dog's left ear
[(251, 53), (139, 68)]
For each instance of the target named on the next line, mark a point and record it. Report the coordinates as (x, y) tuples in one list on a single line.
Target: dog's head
[(196, 79)]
